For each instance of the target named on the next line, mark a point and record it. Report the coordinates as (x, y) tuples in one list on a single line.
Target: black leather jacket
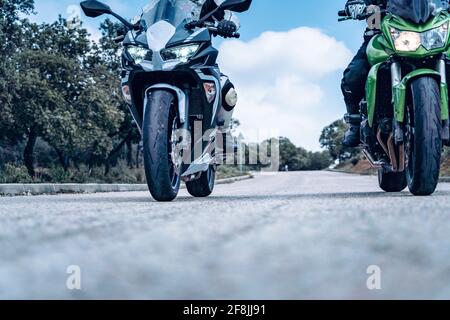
[(377, 2), (369, 33)]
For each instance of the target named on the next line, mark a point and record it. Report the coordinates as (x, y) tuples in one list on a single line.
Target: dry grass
[(363, 167)]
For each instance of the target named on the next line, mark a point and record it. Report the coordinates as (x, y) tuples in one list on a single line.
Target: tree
[(10, 40), (63, 96), (331, 139), (319, 160), (109, 54), (299, 159)]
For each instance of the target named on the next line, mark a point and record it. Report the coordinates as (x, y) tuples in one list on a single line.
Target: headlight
[(405, 40), (409, 41), (435, 38), (182, 53), (139, 54)]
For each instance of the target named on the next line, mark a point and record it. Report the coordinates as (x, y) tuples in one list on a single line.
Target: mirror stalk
[(206, 17), (127, 24)]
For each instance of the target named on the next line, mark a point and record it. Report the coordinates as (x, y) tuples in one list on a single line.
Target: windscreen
[(417, 11), (171, 11)]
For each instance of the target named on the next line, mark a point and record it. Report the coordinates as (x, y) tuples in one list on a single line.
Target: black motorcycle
[(171, 81)]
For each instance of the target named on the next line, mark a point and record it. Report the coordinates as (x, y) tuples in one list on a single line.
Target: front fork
[(442, 69), (397, 158), (396, 76)]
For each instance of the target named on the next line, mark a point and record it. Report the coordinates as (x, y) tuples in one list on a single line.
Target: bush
[(224, 172), (15, 174), (10, 153), (59, 175), (121, 173), (44, 154)]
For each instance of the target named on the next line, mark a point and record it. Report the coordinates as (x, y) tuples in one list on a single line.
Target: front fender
[(399, 93), (181, 97), (371, 92)]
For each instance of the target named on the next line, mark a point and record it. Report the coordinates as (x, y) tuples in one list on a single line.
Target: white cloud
[(279, 77)]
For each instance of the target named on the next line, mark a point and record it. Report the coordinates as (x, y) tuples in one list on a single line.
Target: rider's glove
[(355, 8), (226, 28)]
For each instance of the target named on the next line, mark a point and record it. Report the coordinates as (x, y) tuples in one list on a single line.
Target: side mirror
[(236, 5), (94, 8)]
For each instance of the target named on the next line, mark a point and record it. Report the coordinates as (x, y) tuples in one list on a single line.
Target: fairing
[(164, 20), (174, 12)]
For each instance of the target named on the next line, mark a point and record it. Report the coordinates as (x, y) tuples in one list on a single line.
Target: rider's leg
[(353, 88), (225, 115)]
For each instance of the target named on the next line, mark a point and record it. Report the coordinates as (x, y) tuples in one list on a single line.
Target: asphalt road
[(284, 236)]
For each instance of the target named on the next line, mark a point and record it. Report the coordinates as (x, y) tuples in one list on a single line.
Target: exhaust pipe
[(375, 164), (381, 142), (398, 164), (392, 155)]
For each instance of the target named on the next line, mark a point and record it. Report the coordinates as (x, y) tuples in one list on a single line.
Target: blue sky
[(264, 15), (278, 17)]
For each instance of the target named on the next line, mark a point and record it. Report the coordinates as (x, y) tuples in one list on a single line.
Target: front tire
[(424, 137), (204, 186), (392, 181), (160, 118)]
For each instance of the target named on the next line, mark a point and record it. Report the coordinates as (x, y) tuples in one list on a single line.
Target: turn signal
[(126, 93), (210, 90)]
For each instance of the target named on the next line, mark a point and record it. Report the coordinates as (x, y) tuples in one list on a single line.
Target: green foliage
[(10, 42), (14, 174), (298, 159), (121, 173), (59, 175), (58, 86), (70, 106), (224, 172)]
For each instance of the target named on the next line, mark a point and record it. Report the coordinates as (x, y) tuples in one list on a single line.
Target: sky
[(287, 66)]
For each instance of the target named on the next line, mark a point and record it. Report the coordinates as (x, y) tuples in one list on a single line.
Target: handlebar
[(344, 15), (210, 26), (215, 31)]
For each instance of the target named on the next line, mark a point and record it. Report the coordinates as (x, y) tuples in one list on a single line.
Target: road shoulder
[(50, 189)]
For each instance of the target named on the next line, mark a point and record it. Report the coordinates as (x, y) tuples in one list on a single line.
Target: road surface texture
[(284, 236)]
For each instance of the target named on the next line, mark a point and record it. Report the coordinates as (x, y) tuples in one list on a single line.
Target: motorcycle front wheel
[(162, 166), (423, 137)]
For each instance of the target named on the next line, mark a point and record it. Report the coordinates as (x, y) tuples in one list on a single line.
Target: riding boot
[(352, 137)]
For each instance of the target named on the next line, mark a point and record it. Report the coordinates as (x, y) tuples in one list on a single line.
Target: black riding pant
[(354, 80)]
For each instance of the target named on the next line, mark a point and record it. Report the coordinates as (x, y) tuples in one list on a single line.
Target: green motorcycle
[(405, 115)]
